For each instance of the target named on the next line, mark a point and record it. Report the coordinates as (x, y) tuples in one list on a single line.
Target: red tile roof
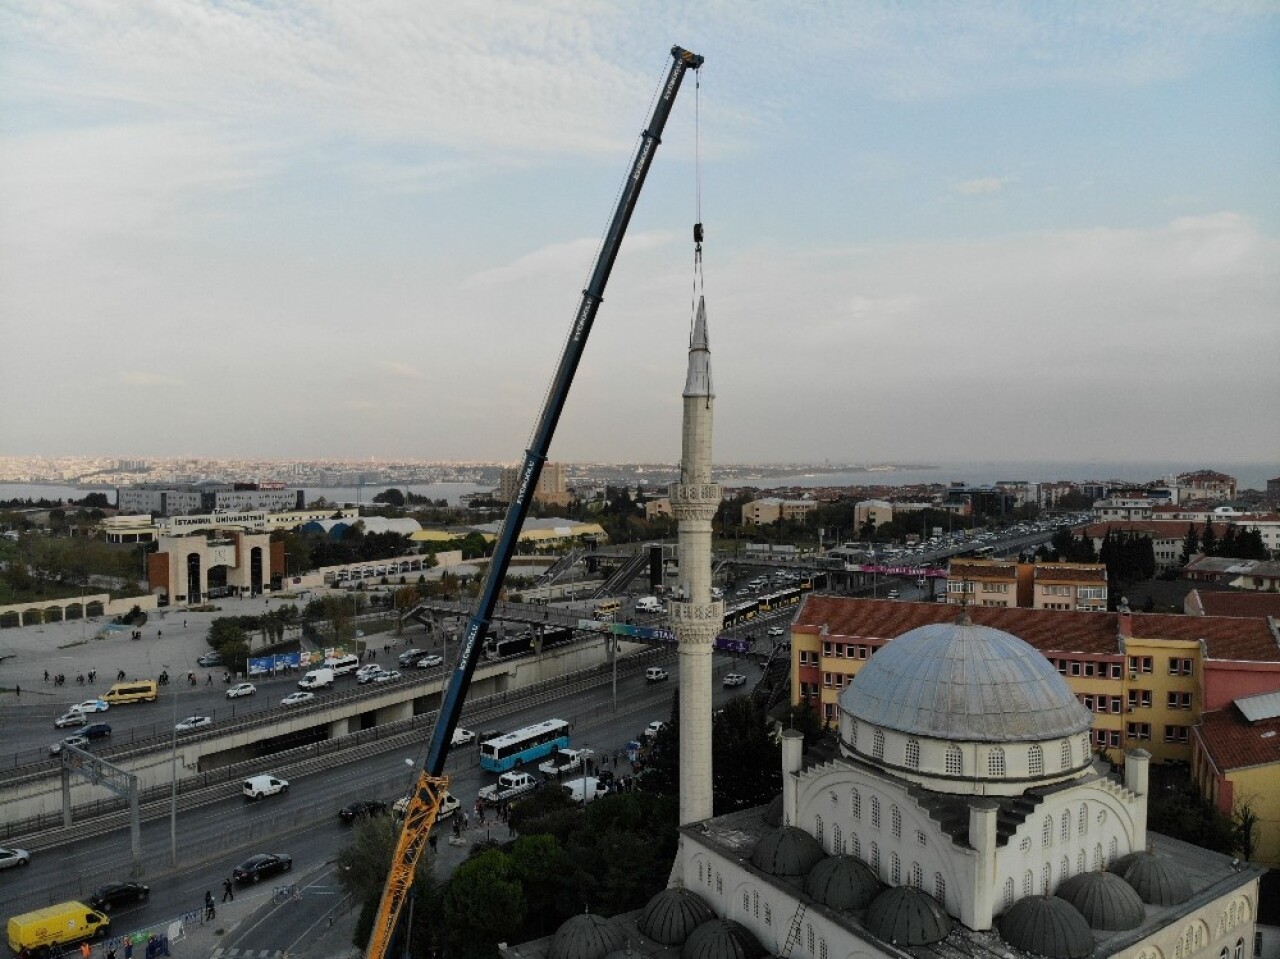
[(986, 569), (1239, 604), (1156, 529), (1233, 742), (1049, 630), (1081, 573)]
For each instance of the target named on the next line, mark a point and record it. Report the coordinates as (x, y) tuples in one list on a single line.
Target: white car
[(367, 671), (90, 706), (563, 761), (80, 742), (72, 718), (430, 662), (386, 676), (255, 787), (241, 689), (296, 699), (12, 856), (654, 728), (462, 736), (448, 806), (734, 679), (776, 631), (193, 722)]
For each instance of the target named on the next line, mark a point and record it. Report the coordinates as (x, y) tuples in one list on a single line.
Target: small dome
[(787, 852), (959, 681), (722, 939), (1105, 900), (1046, 926), (672, 915), (587, 936), (842, 882), (774, 812), (1153, 878), (905, 916)]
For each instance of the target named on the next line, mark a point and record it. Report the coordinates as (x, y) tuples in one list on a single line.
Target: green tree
[(1209, 539), (1190, 544), (391, 497), (484, 904), (542, 867), (746, 763)]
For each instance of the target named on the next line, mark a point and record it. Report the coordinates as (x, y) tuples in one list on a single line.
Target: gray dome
[(722, 939), (774, 812), (1046, 926), (1153, 878), (671, 915), (842, 882), (964, 682), (1105, 900), (906, 916), (787, 852), (587, 937)]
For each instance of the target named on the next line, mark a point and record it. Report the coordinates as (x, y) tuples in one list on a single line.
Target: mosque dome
[(842, 882), (774, 812), (1046, 926), (906, 916), (722, 939), (787, 852), (1153, 878), (671, 915), (1104, 899), (587, 936), (960, 681)]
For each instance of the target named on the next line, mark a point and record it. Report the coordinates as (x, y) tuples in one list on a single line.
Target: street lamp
[(173, 780)]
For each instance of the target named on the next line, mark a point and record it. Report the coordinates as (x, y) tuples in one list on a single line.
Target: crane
[(431, 785)]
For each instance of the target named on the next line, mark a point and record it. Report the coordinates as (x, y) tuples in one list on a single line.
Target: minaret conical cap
[(698, 380)]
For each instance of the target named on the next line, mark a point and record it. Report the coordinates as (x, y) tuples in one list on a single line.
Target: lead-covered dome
[(1104, 899), (722, 939), (842, 882), (1046, 926), (907, 917), (672, 915), (960, 681), (788, 852), (587, 936)]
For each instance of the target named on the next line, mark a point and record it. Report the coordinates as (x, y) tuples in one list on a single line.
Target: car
[(734, 679), (655, 674), (70, 719), (209, 659), (563, 761), (367, 671), (776, 631), (95, 731), (80, 742), (430, 662), (90, 706), (193, 722), (448, 806), (462, 736), (410, 656), (12, 856), (362, 808), (106, 897), (297, 699), (260, 866), (256, 787), (386, 676), (241, 689), (653, 729), (369, 677)]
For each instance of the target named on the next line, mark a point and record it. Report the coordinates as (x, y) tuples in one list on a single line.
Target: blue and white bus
[(524, 745)]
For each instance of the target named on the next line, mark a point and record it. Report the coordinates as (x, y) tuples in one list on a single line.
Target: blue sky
[(935, 231)]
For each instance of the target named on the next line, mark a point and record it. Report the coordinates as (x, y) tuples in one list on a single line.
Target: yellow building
[(994, 582)]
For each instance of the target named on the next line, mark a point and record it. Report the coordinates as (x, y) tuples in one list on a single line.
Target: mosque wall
[(1220, 929)]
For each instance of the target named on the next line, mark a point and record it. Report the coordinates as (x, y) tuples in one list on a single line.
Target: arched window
[(822, 948), (875, 859), (1065, 832), (1225, 953), (1064, 869), (755, 903), (1097, 856), (768, 913), (875, 811), (940, 889), (808, 935), (837, 840), (916, 880), (1114, 850), (1066, 754), (857, 804), (995, 761), (895, 869), (913, 754), (1080, 861), (817, 829), (746, 902), (1028, 883), (1035, 760), (1082, 821), (719, 884), (1008, 892), (955, 760), (1084, 746), (1239, 953), (855, 845), (853, 733), (895, 821), (699, 871), (1046, 879), (877, 744), (1046, 831)]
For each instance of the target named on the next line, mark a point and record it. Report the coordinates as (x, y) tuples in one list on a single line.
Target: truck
[(509, 786), (47, 931), (317, 679), (648, 604)]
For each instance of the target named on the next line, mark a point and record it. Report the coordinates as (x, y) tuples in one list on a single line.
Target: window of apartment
[(829, 711), (995, 587), (1140, 664), (1117, 670), (1179, 701), (1090, 592), (1115, 704), (1177, 734), (1181, 667), (959, 587), (1062, 666), (1139, 730), (1088, 702), (1139, 698), (1100, 737), (1113, 738), (826, 680), (1075, 668), (828, 649)]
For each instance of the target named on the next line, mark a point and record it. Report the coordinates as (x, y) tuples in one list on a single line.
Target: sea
[(453, 492)]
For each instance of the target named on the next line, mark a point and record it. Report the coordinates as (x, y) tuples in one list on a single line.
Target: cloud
[(400, 369), (149, 380), (574, 257), (988, 184)]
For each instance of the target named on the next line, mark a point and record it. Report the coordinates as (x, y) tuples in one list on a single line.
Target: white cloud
[(400, 369), (989, 184)]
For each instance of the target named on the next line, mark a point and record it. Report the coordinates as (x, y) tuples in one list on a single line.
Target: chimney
[(1124, 618), (792, 760), (982, 838), (1137, 765)]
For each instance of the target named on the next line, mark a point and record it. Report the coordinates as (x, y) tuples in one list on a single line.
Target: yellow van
[(46, 931), (135, 691)]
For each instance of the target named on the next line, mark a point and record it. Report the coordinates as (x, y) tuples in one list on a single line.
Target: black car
[(107, 897), (95, 731), (260, 866), (364, 807)]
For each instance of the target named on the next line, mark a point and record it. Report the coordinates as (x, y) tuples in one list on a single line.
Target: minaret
[(695, 619)]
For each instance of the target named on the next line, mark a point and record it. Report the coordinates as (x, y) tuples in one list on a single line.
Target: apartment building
[(1061, 586), (1145, 677), (1124, 508), (770, 509), (1205, 485), (552, 489), (1167, 537), (874, 511)]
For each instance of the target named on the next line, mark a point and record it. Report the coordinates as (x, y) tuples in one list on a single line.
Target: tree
[(484, 904), (392, 497), (1190, 544), (1209, 539), (746, 763), (1246, 831), (362, 870)]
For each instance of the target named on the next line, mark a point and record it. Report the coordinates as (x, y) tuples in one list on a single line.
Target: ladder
[(793, 934)]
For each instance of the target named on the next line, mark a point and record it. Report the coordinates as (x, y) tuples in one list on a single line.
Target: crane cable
[(697, 199)]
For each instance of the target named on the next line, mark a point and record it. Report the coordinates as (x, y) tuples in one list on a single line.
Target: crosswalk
[(246, 954)]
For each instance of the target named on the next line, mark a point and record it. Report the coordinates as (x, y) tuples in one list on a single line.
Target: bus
[(527, 745), (539, 638), (607, 610)]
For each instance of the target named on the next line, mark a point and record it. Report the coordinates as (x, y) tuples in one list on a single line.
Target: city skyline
[(267, 232)]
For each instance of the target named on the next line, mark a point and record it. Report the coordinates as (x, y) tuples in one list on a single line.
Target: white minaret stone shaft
[(695, 618)]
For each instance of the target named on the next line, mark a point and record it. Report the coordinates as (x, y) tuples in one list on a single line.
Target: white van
[(317, 679), (255, 787), (655, 674), (648, 604), (341, 665)]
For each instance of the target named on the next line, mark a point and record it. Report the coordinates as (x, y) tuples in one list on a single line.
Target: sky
[(935, 231)]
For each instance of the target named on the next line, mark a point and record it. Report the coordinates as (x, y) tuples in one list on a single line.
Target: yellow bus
[(607, 610), (134, 691)]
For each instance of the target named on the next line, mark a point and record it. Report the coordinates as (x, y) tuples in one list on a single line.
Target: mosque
[(963, 816)]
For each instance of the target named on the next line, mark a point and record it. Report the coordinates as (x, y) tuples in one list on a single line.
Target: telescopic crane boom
[(424, 801)]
